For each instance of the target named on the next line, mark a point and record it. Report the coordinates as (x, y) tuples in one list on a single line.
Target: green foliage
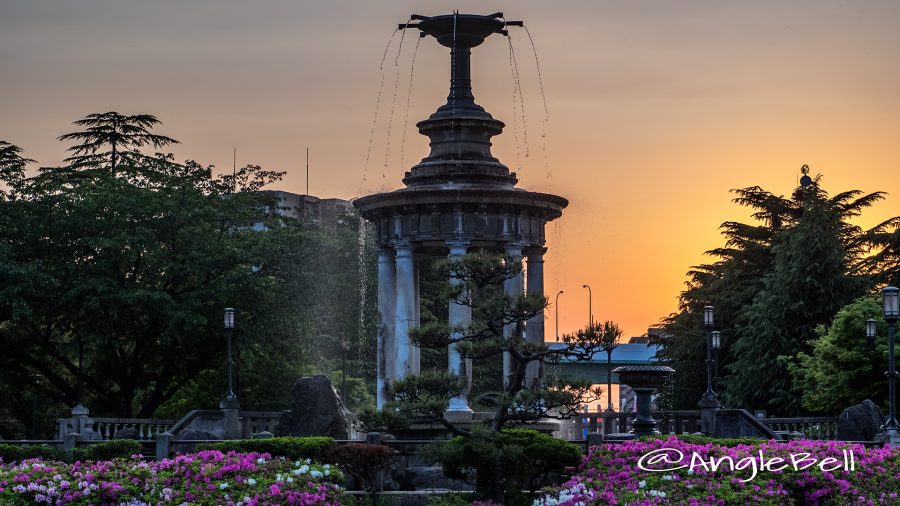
[(772, 284), (495, 331), (107, 450), (508, 461), (364, 462), (844, 367), (450, 499), (696, 439), (810, 279), (12, 164), (14, 453), (128, 268), (120, 134), (292, 448)]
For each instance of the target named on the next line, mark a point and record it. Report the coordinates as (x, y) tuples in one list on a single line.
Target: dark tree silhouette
[(772, 282), (12, 163), (112, 137)]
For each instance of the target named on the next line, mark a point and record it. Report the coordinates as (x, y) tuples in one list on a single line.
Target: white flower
[(251, 481), (316, 473), (290, 480), (223, 486), (642, 483), (668, 477), (260, 460)]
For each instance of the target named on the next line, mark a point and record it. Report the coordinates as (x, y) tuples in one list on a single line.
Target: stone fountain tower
[(459, 198)]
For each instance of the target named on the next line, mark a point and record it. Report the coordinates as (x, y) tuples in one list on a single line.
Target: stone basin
[(644, 380), (643, 376)]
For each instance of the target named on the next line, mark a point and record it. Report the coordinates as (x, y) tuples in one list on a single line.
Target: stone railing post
[(70, 441), (708, 408), (163, 443), (232, 420)]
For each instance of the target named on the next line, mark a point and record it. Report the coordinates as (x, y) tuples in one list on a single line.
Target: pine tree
[(112, 138)]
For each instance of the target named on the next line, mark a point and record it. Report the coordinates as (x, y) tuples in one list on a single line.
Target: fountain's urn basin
[(645, 380)]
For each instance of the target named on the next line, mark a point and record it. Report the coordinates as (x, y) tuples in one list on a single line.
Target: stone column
[(534, 330), (405, 310), (460, 315), (514, 288), (386, 314), (415, 360)]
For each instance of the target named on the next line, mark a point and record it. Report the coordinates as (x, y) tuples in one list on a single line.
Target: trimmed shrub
[(15, 453), (364, 462), (447, 500), (108, 450), (291, 448), (509, 461)]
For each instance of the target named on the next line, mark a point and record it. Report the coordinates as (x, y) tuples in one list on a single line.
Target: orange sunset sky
[(656, 108)]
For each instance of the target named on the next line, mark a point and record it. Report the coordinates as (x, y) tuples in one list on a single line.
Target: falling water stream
[(517, 92), (412, 68), (515, 107), (546, 118), (375, 115), (390, 121)]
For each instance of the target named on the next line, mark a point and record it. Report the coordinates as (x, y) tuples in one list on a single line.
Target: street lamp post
[(716, 344), (556, 304), (870, 337), (891, 308), (708, 404), (229, 330), (590, 307), (708, 322)]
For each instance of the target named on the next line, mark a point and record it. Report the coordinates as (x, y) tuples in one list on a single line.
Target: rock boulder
[(861, 422), (316, 410)]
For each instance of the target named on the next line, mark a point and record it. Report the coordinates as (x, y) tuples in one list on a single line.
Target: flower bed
[(672, 471), (206, 477)]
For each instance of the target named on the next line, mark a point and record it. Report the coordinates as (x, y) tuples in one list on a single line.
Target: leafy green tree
[(772, 283), (730, 284), (112, 285), (813, 275), (112, 138), (843, 367), (115, 276)]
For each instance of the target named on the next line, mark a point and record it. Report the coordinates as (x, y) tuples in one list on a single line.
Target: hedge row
[(120, 448)]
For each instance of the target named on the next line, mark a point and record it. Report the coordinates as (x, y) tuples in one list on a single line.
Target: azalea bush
[(673, 471), (204, 478), (292, 448)]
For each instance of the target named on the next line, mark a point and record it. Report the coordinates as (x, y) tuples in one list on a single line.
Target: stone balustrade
[(812, 427), (146, 428)]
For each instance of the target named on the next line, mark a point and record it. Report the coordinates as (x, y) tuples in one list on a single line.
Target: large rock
[(196, 435), (128, 433), (860, 422), (316, 410)]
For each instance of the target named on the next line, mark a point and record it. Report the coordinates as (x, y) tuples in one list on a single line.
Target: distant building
[(310, 209)]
